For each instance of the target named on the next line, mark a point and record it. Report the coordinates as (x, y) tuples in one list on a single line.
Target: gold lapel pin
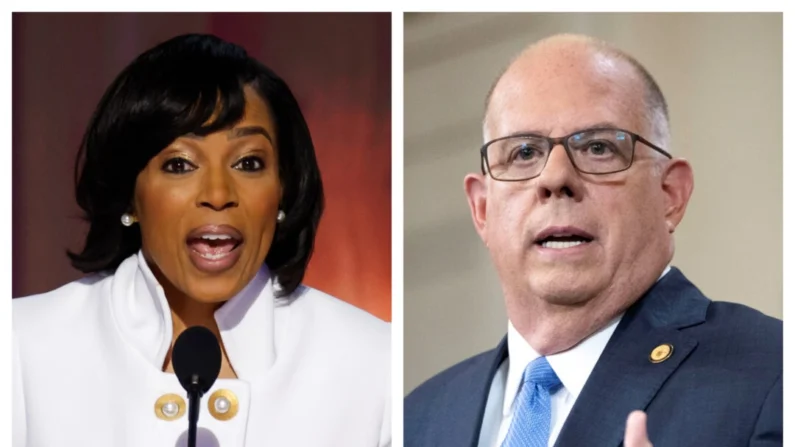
[(170, 407), (223, 405), (661, 353)]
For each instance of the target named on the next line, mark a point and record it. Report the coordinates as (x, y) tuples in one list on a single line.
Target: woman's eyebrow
[(238, 132)]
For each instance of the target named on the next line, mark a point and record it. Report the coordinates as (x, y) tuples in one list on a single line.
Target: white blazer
[(87, 369)]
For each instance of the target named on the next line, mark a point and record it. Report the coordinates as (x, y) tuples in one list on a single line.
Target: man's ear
[(475, 189), (677, 184)]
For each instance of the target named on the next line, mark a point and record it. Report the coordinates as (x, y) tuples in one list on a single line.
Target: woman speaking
[(198, 177)]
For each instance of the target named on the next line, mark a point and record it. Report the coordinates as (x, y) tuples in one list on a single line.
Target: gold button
[(661, 353), (170, 407), (223, 405)]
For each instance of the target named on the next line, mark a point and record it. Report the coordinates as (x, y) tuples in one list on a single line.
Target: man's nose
[(559, 178)]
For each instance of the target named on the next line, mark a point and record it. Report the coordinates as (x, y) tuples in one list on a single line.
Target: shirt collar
[(573, 367), (246, 321)]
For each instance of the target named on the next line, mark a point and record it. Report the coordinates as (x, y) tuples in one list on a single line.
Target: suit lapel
[(468, 417), (625, 379)]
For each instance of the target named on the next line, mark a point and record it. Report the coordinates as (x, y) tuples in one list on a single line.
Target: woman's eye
[(250, 164), (178, 165)]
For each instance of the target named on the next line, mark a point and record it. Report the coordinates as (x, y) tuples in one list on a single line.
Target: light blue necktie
[(531, 420)]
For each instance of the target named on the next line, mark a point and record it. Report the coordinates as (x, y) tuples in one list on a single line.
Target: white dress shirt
[(88, 368), (573, 367)]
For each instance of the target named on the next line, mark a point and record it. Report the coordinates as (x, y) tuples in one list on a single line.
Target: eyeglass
[(593, 151)]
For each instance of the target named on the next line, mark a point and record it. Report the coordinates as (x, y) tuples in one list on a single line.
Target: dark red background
[(338, 65)]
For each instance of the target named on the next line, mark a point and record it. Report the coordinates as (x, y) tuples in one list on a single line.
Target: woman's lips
[(214, 248), (215, 263), (216, 230)]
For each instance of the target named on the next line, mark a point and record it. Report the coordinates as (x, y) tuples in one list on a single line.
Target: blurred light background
[(722, 77), (337, 65)]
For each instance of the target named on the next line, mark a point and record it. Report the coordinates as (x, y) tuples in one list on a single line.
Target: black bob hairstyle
[(171, 90)]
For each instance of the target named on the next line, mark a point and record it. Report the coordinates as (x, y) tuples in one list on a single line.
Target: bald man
[(577, 201)]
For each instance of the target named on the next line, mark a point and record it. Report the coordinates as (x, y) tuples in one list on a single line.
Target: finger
[(636, 435)]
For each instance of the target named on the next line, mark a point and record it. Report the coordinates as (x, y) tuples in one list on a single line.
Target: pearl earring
[(127, 219), (280, 217)]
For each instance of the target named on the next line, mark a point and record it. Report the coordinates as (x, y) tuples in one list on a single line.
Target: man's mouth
[(562, 237)]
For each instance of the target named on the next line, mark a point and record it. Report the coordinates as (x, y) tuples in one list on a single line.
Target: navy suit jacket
[(721, 387)]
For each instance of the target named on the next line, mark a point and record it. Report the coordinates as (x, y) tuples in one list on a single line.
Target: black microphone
[(197, 361)]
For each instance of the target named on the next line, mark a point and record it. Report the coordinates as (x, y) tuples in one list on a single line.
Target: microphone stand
[(197, 361), (194, 404)]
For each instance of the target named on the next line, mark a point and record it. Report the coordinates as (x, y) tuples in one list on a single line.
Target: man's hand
[(636, 436)]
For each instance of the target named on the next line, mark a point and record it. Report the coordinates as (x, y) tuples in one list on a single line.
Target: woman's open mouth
[(214, 248)]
